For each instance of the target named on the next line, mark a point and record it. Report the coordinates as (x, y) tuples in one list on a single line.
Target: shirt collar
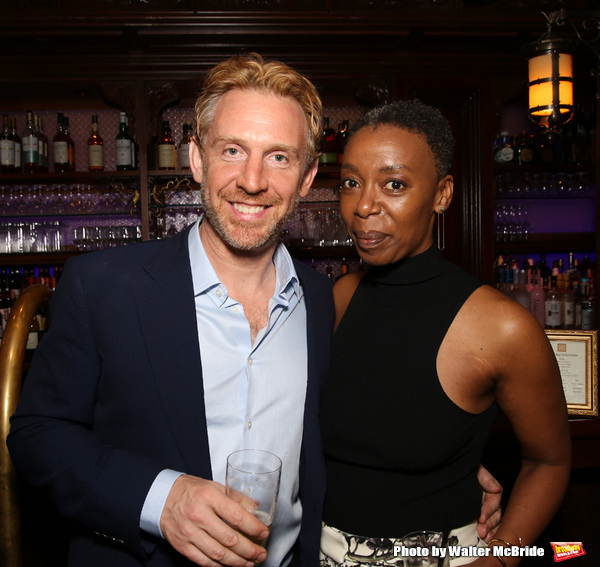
[(205, 278)]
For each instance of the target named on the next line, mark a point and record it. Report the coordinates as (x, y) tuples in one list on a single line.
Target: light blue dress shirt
[(254, 393)]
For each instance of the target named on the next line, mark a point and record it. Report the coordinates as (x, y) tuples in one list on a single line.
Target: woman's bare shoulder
[(491, 312)]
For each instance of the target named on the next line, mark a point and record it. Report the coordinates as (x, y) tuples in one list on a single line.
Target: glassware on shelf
[(511, 222)]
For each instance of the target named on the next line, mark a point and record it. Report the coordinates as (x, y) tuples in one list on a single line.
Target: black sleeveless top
[(401, 456)]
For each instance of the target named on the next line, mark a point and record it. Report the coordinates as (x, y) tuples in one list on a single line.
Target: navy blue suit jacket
[(115, 395)]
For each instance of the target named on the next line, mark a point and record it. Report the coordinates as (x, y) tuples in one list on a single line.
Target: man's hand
[(198, 520), (491, 508)]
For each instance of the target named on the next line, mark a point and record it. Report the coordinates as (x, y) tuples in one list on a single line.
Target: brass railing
[(12, 353)]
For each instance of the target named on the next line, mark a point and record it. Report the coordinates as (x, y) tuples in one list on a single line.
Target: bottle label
[(587, 319), (184, 156), (167, 156), (526, 155), (553, 313), (7, 152), (42, 153), (569, 313), (32, 341), (96, 155), (30, 149), (506, 155), (61, 152), (18, 156), (124, 152)]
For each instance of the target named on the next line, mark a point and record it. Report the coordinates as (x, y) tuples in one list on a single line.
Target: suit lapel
[(166, 308)]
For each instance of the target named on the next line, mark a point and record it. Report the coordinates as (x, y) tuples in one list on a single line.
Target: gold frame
[(589, 380)]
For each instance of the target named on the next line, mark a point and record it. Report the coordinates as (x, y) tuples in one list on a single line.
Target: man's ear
[(308, 178), (196, 160)]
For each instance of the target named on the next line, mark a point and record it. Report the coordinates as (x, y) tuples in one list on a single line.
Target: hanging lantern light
[(551, 78)]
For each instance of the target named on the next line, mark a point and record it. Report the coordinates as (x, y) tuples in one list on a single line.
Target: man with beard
[(164, 357)]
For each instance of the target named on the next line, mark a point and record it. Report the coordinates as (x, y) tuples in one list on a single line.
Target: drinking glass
[(252, 479)]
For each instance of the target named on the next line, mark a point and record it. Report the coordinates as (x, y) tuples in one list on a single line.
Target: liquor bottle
[(18, 144), (124, 150), (523, 149), (553, 305), (545, 272), (520, 294), (33, 338), (500, 270), (60, 145), (579, 291), (7, 147), (504, 278), (329, 272), (504, 152), (554, 147), (585, 267), (70, 145), (538, 298), (342, 139), (329, 148), (42, 144), (167, 151), (134, 147), (183, 151), (345, 269), (15, 284), (588, 318), (568, 302), (30, 142), (95, 147)]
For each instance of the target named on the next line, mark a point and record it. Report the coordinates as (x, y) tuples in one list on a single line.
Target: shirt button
[(249, 362), (248, 424), (236, 309), (218, 293)]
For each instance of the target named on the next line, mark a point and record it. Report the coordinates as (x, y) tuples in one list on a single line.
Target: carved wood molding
[(122, 95), (160, 94)]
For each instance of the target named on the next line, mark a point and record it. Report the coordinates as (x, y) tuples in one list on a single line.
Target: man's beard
[(246, 235)]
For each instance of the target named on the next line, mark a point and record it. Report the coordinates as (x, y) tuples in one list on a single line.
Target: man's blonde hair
[(252, 72)]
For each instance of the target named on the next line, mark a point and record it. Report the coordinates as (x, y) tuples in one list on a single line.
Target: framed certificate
[(577, 356)]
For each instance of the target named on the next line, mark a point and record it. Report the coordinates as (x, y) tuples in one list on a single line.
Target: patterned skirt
[(341, 549)]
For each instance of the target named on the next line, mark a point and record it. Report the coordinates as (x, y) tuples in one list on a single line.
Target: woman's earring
[(441, 230)]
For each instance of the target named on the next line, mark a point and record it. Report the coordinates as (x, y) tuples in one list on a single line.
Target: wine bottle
[(18, 144), (553, 306), (588, 319), (60, 145), (95, 147), (42, 144), (538, 298), (33, 338), (70, 145), (183, 150), (30, 146), (329, 149), (123, 142), (568, 303), (167, 152), (7, 147), (342, 139)]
